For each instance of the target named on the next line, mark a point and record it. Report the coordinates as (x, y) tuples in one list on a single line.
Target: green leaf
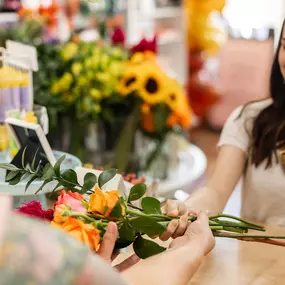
[(70, 176), (34, 160), (137, 192), (106, 176), (48, 172), (117, 211), (146, 248), (11, 175), (23, 157), (9, 167), (16, 179), (147, 225), (151, 205), (58, 164), (126, 232), (26, 175), (33, 178), (90, 179), (43, 185)]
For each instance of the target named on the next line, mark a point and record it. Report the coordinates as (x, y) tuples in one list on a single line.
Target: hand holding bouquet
[(85, 210)]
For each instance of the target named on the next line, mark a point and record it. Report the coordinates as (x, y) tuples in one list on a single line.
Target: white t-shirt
[(263, 192)]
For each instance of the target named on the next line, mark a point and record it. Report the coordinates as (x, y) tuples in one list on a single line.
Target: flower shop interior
[(143, 87)]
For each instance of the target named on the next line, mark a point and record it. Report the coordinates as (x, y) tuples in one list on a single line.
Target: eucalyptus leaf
[(9, 167), (90, 179), (34, 161), (58, 164), (146, 248), (106, 176), (16, 179), (12, 175), (33, 178), (137, 192), (117, 210), (147, 225), (151, 205), (23, 157)]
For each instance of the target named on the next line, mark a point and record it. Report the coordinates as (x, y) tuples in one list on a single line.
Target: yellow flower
[(88, 63), (152, 85), (58, 217), (117, 52), (174, 94), (103, 77), (97, 108), (69, 51), (130, 81), (138, 58), (102, 203), (55, 89), (104, 61), (116, 68), (76, 68), (95, 94), (82, 81)]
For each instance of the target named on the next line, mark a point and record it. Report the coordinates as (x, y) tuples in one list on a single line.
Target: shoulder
[(250, 110)]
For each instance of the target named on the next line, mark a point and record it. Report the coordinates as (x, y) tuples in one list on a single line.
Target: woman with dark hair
[(251, 147)]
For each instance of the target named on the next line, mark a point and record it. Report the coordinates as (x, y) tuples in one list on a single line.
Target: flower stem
[(81, 215), (237, 219)]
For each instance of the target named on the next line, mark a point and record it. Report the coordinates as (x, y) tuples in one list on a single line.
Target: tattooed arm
[(32, 253)]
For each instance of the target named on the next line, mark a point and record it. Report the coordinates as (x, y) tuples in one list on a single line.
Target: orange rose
[(103, 202), (57, 216), (86, 233)]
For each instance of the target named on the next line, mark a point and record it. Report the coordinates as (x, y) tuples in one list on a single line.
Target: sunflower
[(178, 103), (129, 82), (153, 83), (174, 94)]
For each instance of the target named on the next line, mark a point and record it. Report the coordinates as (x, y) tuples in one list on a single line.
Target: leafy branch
[(64, 178)]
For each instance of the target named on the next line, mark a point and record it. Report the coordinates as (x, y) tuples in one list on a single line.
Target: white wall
[(256, 14)]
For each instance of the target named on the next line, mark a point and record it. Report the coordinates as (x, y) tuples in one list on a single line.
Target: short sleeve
[(235, 132)]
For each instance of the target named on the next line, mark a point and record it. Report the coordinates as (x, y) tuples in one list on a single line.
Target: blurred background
[(144, 86)]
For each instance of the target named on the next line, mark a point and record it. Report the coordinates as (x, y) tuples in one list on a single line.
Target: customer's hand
[(106, 250), (198, 231), (176, 228)]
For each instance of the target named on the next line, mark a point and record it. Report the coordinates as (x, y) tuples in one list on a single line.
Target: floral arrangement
[(90, 75), (85, 210), (160, 103)]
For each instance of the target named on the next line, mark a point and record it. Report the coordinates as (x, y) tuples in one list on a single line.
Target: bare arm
[(229, 169), (162, 270), (187, 250)]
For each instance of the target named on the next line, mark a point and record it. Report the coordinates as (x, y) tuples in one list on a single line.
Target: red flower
[(145, 45), (118, 36), (34, 209)]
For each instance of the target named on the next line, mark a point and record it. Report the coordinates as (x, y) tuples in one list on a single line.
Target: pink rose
[(74, 200)]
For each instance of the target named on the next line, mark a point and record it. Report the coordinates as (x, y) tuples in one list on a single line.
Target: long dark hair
[(268, 132)]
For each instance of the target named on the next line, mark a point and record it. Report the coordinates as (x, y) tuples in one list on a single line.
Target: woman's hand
[(106, 250), (176, 228), (198, 231)]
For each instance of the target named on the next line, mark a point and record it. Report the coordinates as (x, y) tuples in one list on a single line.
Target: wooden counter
[(243, 263)]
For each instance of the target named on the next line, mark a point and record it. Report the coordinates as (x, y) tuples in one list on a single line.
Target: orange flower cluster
[(71, 205), (48, 13)]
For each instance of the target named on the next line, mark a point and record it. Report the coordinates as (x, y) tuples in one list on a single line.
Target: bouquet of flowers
[(161, 105), (85, 210)]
